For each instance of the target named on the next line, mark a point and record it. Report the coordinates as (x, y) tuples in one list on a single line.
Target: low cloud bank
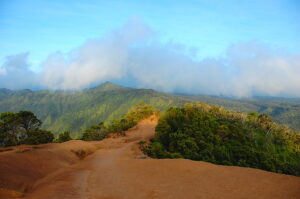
[(245, 69), (15, 73)]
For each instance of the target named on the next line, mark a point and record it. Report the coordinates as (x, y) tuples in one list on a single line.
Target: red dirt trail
[(112, 171)]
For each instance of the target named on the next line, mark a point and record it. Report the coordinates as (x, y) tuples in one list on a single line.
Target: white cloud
[(15, 72), (95, 61), (246, 69), (2, 71), (265, 71)]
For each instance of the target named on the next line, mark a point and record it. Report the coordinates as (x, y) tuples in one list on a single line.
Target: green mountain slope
[(74, 111)]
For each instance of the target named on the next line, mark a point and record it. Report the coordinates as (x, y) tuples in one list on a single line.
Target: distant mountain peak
[(109, 86)]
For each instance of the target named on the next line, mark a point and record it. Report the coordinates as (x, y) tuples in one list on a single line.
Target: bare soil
[(115, 168)]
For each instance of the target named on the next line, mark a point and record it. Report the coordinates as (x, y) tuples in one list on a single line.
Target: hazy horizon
[(204, 47)]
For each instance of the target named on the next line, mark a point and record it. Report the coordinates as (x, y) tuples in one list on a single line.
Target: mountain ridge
[(76, 110)]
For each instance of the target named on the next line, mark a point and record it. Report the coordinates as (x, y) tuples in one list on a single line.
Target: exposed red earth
[(110, 169)]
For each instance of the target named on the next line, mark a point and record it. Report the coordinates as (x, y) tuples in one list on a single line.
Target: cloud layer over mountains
[(134, 53)]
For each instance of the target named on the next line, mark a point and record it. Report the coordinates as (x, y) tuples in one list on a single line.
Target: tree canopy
[(22, 128)]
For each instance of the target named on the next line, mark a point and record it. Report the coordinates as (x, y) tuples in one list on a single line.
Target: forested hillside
[(75, 111)]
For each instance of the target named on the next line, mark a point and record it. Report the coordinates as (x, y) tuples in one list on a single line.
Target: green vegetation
[(64, 137), (282, 110), (209, 133), (95, 132), (75, 111), (22, 128), (133, 116)]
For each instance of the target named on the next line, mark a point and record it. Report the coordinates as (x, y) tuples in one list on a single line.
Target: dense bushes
[(22, 128), (209, 133), (63, 137), (133, 116), (38, 136), (96, 132)]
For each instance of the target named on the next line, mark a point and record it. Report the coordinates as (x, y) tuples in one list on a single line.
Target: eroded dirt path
[(114, 172), (102, 174)]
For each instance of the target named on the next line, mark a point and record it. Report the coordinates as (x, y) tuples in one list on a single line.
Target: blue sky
[(42, 27), (210, 26)]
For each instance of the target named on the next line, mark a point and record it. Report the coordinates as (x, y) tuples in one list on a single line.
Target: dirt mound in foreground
[(115, 171), (21, 166)]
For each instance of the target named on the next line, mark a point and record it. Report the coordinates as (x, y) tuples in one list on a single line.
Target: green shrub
[(63, 137), (95, 132), (208, 133), (39, 137), (133, 116)]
